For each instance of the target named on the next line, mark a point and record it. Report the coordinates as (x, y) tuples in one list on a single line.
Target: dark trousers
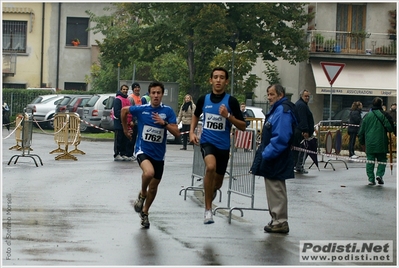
[(352, 142), (185, 128), (131, 143), (297, 155), (6, 119), (120, 142)]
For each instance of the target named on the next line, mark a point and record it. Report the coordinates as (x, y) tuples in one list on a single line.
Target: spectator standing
[(392, 112), (244, 113), (145, 99), (154, 119), (120, 140), (221, 111), (373, 137), (273, 159), (355, 118), (185, 116), (304, 129), (6, 116), (134, 99)]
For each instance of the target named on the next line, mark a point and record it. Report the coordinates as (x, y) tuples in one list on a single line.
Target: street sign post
[(331, 70)]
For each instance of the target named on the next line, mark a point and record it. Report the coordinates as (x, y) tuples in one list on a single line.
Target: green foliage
[(200, 36), (272, 73)]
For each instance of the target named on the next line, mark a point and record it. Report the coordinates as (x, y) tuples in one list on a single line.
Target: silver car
[(93, 111), (43, 112)]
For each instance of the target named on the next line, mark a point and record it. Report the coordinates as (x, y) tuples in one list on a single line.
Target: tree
[(198, 32)]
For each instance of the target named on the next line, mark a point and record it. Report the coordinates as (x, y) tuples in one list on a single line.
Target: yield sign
[(332, 70)]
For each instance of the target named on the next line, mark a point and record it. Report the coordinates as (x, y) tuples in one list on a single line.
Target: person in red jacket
[(120, 140)]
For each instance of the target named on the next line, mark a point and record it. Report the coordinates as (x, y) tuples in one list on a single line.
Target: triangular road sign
[(332, 70)]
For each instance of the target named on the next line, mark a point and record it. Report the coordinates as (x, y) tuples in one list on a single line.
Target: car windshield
[(73, 101), (65, 100), (110, 103), (37, 100), (83, 102), (92, 101), (40, 99)]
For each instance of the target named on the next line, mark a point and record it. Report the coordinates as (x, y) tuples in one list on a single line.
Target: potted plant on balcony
[(319, 39), (75, 42), (329, 45)]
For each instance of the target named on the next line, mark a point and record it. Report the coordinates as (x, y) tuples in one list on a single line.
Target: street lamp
[(233, 45)]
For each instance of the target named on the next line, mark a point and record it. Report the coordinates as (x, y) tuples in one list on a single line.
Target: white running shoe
[(354, 157), (118, 158), (208, 217)]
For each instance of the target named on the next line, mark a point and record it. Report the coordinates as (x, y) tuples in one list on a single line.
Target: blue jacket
[(273, 159)]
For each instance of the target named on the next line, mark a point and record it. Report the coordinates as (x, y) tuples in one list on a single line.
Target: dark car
[(77, 102), (343, 115), (106, 121), (62, 105)]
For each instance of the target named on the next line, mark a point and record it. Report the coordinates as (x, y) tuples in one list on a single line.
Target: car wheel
[(83, 127), (50, 123)]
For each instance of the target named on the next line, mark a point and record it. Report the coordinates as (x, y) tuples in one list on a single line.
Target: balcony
[(9, 64), (335, 44)]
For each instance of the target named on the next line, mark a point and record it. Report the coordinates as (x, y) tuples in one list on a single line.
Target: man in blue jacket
[(273, 159)]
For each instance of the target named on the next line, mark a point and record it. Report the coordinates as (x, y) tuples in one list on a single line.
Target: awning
[(362, 79)]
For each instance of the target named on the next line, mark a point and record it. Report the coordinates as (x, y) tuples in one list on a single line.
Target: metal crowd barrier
[(198, 168), (66, 132), (330, 128), (24, 129), (241, 182)]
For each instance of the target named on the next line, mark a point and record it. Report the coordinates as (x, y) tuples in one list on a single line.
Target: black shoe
[(138, 203), (278, 228), (183, 148), (301, 171), (372, 183), (379, 180), (145, 223)]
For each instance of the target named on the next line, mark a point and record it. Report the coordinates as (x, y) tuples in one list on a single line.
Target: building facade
[(360, 35), (37, 44)]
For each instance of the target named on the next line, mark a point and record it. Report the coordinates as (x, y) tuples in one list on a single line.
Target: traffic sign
[(332, 70)]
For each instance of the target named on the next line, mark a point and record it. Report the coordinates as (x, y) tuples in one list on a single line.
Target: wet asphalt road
[(79, 213)]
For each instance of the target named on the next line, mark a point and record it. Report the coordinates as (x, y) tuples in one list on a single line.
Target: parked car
[(93, 111), (106, 121), (44, 111), (172, 139), (77, 102), (254, 114), (344, 114), (62, 106), (42, 98)]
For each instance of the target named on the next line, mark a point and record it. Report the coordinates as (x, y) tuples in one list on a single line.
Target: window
[(76, 28), (12, 85), (351, 18), (74, 86), (14, 36)]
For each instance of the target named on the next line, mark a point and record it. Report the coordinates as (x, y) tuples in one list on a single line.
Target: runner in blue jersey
[(221, 111), (153, 119)]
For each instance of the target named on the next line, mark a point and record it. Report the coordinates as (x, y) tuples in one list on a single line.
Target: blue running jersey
[(151, 137), (216, 128)]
